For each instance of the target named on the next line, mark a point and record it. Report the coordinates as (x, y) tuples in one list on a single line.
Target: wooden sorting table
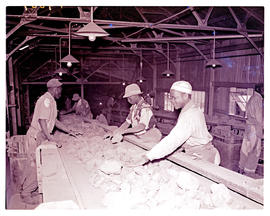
[(71, 182)]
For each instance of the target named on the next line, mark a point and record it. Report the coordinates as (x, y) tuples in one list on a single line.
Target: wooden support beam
[(17, 94), (12, 99), (75, 83), (27, 97)]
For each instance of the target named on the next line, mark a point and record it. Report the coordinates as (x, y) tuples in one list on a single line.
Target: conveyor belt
[(244, 185), (78, 188)]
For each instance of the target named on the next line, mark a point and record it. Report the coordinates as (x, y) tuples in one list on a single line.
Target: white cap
[(182, 86), (132, 89)]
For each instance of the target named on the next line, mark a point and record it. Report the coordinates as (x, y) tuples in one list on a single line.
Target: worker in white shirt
[(80, 107), (190, 131), (140, 118), (251, 145)]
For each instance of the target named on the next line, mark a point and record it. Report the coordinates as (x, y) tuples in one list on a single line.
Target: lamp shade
[(141, 79), (167, 73), (91, 30), (213, 63), (60, 71), (69, 58)]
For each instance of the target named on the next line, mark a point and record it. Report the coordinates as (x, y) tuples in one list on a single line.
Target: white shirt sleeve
[(178, 135), (146, 114)]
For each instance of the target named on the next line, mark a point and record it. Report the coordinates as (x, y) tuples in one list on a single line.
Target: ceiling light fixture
[(168, 73), (92, 30), (213, 62), (24, 47), (141, 79), (69, 59), (60, 71)]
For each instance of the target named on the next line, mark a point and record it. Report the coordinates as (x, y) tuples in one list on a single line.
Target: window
[(238, 100), (198, 97), (168, 106)]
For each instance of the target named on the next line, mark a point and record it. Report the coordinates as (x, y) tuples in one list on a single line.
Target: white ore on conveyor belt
[(153, 186)]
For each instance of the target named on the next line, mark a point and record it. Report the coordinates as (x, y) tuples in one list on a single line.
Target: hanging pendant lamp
[(168, 72), (69, 59), (213, 62), (92, 30), (60, 71), (141, 79)]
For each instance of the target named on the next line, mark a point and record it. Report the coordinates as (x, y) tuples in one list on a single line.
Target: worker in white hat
[(43, 122), (81, 107), (190, 131), (140, 117)]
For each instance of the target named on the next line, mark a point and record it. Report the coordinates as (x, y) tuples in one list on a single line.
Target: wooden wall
[(238, 67)]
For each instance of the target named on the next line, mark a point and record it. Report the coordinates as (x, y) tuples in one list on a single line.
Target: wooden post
[(155, 81), (18, 99), (82, 91), (27, 97), (12, 101), (177, 64)]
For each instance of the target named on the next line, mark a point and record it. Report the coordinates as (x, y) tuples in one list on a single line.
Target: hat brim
[(131, 94)]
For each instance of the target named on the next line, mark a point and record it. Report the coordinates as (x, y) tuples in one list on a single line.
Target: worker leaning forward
[(190, 131), (43, 122), (81, 108), (141, 118)]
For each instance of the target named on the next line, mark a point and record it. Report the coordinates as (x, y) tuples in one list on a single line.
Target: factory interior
[(83, 84)]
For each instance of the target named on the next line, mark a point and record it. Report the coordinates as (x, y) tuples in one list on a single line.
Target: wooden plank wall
[(243, 66)]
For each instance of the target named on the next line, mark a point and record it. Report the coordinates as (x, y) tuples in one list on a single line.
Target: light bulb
[(123, 83), (167, 75), (60, 73), (100, 103), (69, 64), (213, 65), (92, 37), (140, 81)]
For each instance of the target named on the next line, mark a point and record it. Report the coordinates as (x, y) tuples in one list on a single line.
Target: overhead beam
[(189, 38), (254, 15), (139, 24), (75, 83), (20, 45), (198, 50)]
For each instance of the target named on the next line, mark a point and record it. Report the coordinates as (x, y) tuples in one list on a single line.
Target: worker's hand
[(118, 132), (52, 139), (108, 135), (117, 138), (142, 161), (74, 133)]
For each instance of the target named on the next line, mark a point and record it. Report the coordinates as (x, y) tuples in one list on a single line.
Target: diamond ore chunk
[(111, 167)]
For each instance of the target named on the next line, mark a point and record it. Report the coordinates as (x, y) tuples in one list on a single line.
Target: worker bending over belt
[(140, 117), (190, 131), (80, 107), (43, 122)]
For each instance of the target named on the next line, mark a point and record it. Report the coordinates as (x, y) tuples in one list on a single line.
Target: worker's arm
[(178, 135), (138, 128), (72, 109), (122, 128), (146, 114), (61, 126), (44, 129)]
